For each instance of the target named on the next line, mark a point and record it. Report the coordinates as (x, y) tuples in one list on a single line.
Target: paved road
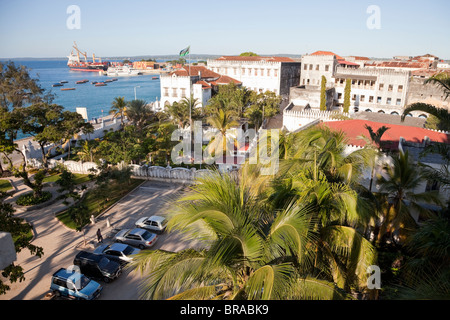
[(61, 244)]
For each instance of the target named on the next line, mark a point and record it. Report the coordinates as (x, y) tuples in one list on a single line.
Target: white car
[(153, 223)]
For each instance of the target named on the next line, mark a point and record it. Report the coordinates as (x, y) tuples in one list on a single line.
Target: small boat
[(57, 85), (100, 84), (82, 81), (154, 78), (64, 81), (108, 81), (115, 79), (94, 82), (66, 89)]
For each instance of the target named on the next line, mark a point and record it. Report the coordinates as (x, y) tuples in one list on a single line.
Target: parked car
[(75, 285), (153, 223), (119, 252), (97, 266), (139, 238)]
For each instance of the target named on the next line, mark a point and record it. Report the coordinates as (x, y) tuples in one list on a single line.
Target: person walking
[(99, 236)]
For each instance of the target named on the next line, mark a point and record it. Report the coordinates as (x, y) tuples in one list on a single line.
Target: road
[(61, 244)]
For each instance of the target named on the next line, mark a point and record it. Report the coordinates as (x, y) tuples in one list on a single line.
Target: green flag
[(185, 52)]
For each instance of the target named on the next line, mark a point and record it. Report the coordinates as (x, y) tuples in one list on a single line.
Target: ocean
[(97, 100)]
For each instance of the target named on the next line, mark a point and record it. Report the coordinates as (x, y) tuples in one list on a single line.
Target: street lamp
[(135, 92)]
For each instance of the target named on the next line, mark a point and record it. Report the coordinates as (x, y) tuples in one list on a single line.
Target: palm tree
[(245, 254), (375, 138), (222, 121), (190, 104), (139, 113), (118, 108), (179, 114), (87, 150), (399, 186)]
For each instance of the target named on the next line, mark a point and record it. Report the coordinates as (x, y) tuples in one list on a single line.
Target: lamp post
[(135, 92)]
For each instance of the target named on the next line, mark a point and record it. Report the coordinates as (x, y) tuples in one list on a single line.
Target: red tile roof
[(225, 80), (355, 128), (256, 58), (348, 63), (326, 53), (206, 73)]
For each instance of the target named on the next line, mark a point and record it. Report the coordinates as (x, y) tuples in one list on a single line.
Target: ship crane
[(78, 52)]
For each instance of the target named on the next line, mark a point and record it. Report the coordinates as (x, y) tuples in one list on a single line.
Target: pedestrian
[(99, 236)]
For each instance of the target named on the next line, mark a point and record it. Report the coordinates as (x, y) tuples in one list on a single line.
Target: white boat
[(121, 71)]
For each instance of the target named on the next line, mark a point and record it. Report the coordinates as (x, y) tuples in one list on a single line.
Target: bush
[(28, 199)]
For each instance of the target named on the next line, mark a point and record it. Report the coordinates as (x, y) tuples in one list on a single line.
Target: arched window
[(423, 116), (368, 110), (395, 113), (381, 111)]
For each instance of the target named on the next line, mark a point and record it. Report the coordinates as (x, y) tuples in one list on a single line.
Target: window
[(327, 67), (304, 81), (354, 97), (268, 72), (262, 72), (378, 99), (174, 92), (310, 67), (256, 72), (399, 102), (317, 67), (183, 92), (243, 71), (305, 67), (371, 99), (276, 72), (339, 96), (391, 87), (166, 92), (363, 97), (400, 88), (381, 87), (388, 101)]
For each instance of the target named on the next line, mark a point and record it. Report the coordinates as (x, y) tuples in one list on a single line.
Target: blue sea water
[(97, 100)]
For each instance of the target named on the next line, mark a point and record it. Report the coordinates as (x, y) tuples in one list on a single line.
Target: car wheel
[(57, 293), (141, 246), (106, 280)]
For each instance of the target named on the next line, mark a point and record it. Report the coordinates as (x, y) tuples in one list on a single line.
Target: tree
[(20, 231), (375, 138), (179, 114), (249, 54), (50, 124), (222, 121), (87, 150), (139, 113), (347, 93), (248, 254), (323, 94), (399, 185), (262, 106), (118, 108), (190, 104)]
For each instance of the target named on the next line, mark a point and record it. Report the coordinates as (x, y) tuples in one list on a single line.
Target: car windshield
[(147, 235), (128, 250), (103, 262), (80, 282)]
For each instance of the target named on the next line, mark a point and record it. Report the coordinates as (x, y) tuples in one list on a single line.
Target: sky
[(39, 28)]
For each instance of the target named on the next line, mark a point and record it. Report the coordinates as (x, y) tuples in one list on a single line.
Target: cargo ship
[(76, 64)]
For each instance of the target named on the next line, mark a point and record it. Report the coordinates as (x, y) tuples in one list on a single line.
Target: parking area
[(61, 245)]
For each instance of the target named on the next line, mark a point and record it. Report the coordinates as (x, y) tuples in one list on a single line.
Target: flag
[(185, 51)]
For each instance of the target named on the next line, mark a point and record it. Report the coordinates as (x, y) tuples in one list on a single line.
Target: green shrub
[(28, 199)]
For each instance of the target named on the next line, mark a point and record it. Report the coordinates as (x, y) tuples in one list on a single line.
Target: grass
[(79, 178), (95, 204), (5, 185)]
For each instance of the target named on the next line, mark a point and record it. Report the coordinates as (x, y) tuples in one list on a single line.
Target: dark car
[(97, 266), (72, 284)]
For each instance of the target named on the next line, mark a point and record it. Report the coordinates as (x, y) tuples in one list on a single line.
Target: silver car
[(139, 238), (154, 223)]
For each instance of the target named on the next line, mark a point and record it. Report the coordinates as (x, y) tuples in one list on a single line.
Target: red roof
[(326, 53), (206, 73), (399, 64), (225, 80), (256, 58), (348, 63), (355, 128)]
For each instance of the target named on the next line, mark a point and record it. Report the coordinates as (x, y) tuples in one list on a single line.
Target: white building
[(276, 74), (197, 81)]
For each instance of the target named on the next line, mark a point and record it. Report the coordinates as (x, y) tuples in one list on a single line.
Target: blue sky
[(37, 28)]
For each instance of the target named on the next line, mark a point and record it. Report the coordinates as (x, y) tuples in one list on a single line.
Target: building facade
[(276, 74)]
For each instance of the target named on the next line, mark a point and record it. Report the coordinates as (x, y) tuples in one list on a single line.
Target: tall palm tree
[(87, 150), (245, 253), (139, 113), (222, 121), (179, 114), (190, 104), (375, 139), (118, 108), (399, 185)]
